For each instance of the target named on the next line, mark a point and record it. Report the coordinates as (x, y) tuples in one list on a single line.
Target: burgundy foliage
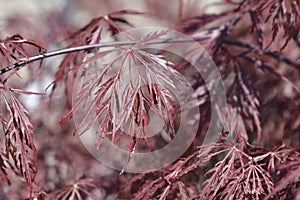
[(256, 47)]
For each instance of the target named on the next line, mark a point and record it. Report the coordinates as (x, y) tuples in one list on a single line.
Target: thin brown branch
[(270, 53), (90, 47)]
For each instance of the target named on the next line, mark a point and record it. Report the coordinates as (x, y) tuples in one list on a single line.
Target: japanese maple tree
[(59, 73)]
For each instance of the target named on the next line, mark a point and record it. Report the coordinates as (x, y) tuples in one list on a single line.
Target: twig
[(90, 47), (272, 54), (25, 61)]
